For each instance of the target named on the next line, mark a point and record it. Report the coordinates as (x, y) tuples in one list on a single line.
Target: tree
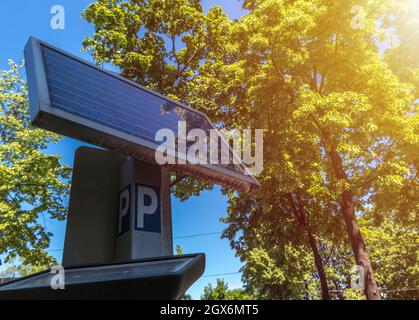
[(337, 119), (19, 269), (221, 292), (179, 250), (340, 125), (159, 44), (394, 247), (33, 185), (403, 59)]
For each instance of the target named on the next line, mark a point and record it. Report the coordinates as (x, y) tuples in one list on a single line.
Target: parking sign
[(147, 209)]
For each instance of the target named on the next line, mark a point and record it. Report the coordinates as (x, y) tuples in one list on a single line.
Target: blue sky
[(21, 19)]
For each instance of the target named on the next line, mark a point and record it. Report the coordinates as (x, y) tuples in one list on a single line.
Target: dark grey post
[(144, 235), (93, 211), (93, 233)]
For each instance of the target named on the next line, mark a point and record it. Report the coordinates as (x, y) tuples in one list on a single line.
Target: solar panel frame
[(46, 116)]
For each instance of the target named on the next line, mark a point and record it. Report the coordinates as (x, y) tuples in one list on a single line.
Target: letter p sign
[(148, 215), (124, 211), (146, 211)]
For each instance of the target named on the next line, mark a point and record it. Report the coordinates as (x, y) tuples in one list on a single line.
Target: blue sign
[(147, 209)]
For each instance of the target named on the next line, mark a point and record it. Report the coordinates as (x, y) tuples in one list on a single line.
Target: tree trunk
[(313, 245), (300, 215), (358, 247), (319, 266)]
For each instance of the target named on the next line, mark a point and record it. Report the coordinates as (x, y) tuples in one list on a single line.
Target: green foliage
[(187, 297), (179, 250), (32, 184), (329, 92), (394, 248), (159, 44), (221, 292), (19, 269), (286, 277)]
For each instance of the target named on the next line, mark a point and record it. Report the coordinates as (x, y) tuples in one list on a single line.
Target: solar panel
[(80, 100), (155, 278)]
